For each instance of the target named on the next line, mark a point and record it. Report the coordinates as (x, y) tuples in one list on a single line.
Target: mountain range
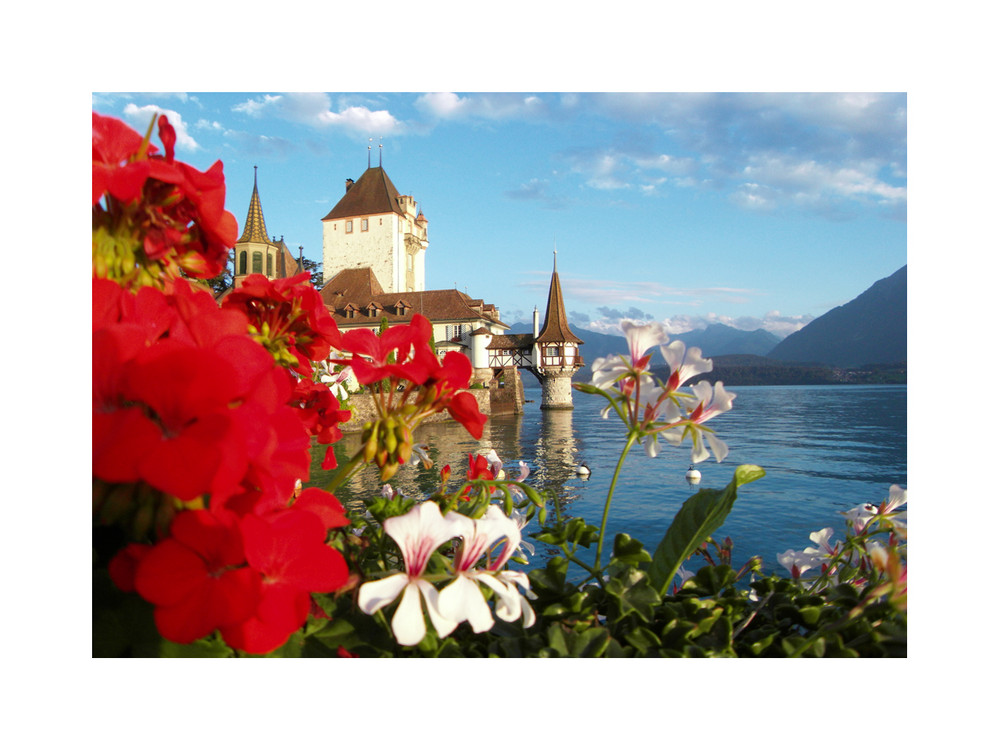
[(868, 330), (717, 339)]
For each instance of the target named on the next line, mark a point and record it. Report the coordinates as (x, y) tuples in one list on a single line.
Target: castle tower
[(556, 353), (374, 226)]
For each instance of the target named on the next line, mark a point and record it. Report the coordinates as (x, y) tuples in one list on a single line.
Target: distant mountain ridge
[(870, 329), (717, 339)]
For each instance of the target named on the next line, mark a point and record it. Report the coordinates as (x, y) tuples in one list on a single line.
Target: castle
[(374, 255)]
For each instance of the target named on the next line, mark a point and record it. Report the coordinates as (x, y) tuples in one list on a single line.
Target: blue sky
[(753, 210)]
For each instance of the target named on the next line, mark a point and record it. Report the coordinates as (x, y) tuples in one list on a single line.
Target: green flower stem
[(345, 472), (595, 574), (632, 436)]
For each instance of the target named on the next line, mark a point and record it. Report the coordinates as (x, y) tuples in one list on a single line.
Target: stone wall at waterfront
[(363, 408)]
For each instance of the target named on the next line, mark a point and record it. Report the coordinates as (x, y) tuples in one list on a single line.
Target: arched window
[(243, 262), (258, 262), (270, 265)]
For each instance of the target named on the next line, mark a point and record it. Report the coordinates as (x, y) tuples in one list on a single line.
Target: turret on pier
[(556, 353)]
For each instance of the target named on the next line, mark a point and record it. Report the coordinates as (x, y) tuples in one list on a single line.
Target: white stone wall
[(376, 247), (382, 247)]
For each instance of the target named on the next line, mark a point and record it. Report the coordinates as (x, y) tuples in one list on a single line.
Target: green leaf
[(631, 593), (628, 551), (697, 519), (642, 639)]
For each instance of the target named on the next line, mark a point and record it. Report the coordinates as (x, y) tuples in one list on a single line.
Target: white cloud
[(450, 106), (611, 293), (316, 110), (254, 107), (773, 322), (140, 118), (809, 178), (818, 152), (444, 105)]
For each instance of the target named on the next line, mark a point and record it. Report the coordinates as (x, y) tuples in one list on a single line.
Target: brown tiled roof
[(360, 288), (254, 230), (511, 341), (556, 328), (373, 193), (288, 265), (351, 285)]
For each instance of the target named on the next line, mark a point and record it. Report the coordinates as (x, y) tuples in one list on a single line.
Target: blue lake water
[(824, 448)]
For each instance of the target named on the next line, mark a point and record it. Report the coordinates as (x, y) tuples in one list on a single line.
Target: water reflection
[(555, 456), (824, 449), (448, 444)]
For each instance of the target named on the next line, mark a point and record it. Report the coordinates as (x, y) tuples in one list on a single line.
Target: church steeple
[(255, 252), (254, 229)]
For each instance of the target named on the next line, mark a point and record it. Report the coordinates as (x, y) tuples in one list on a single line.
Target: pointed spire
[(254, 229), (556, 328)]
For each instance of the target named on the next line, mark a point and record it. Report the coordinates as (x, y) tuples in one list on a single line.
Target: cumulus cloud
[(204, 124), (815, 152), (773, 322), (139, 118), (783, 174), (615, 168), (317, 110), (451, 106)]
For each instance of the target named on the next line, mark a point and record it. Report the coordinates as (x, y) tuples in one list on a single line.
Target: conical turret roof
[(254, 230), (556, 328)]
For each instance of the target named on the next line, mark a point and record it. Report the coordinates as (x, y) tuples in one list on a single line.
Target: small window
[(258, 262), (349, 226), (270, 265), (364, 225), (243, 262)]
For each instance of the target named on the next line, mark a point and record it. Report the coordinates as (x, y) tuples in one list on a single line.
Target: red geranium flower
[(324, 504), (464, 408), (319, 410), (479, 468), (372, 353), (114, 146), (160, 216), (288, 549), (288, 317), (198, 578)]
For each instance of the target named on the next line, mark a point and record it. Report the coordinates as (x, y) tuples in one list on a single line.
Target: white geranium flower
[(418, 533), (462, 600)]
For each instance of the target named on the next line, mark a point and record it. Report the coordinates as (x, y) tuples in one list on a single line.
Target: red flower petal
[(325, 505), (329, 459)]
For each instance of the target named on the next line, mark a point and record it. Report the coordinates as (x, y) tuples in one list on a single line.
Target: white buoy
[(583, 470), (693, 476)]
